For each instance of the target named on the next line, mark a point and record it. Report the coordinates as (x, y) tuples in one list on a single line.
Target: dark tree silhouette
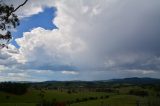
[(8, 20), (14, 88)]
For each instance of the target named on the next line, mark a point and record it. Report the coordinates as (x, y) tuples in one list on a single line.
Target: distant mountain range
[(132, 80), (136, 80)]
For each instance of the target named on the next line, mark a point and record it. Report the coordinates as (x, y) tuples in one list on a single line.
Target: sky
[(83, 40)]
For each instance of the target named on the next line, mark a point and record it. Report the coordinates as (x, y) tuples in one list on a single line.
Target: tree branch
[(19, 6)]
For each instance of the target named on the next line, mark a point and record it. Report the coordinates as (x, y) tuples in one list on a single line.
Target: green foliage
[(7, 17), (138, 92), (8, 20), (14, 88)]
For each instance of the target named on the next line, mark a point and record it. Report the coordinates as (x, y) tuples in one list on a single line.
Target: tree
[(14, 88), (8, 20)]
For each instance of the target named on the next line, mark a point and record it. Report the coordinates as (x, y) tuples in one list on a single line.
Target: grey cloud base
[(105, 38)]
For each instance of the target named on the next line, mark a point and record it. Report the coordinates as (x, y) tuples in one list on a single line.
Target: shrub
[(101, 97), (138, 92), (7, 97), (77, 100), (69, 92), (107, 96)]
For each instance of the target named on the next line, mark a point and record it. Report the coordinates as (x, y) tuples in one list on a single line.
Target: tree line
[(14, 88)]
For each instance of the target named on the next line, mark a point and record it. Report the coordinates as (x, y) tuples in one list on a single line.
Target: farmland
[(78, 93)]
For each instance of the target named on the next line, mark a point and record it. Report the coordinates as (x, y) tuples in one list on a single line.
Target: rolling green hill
[(122, 92)]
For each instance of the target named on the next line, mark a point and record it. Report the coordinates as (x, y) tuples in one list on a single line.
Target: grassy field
[(117, 100), (81, 94), (32, 97)]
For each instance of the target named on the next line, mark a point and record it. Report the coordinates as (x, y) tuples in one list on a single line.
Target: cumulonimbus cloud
[(108, 36)]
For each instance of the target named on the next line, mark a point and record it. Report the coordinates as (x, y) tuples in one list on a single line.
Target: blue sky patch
[(43, 19)]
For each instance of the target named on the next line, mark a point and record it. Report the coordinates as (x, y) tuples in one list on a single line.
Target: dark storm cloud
[(99, 39)]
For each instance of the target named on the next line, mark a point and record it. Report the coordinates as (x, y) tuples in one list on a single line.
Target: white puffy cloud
[(105, 38)]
